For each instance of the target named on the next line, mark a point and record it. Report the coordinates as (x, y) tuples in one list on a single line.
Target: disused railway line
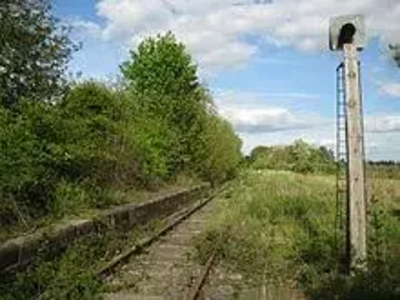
[(158, 267)]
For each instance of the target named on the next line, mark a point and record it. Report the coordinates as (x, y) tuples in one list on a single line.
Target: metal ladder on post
[(341, 161)]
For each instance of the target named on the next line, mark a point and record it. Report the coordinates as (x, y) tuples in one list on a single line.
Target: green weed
[(277, 226)]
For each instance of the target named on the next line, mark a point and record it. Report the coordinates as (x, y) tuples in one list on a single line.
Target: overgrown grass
[(276, 227), (70, 273), (384, 171), (73, 201)]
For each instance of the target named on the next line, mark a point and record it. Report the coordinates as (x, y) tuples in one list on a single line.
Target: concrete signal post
[(347, 34)]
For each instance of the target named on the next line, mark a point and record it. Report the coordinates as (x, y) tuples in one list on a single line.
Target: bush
[(63, 156), (218, 153), (298, 157), (178, 128), (68, 199), (77, 142), (24, 173)]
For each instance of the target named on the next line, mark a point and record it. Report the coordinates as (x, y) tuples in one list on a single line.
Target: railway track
[(160, 267)]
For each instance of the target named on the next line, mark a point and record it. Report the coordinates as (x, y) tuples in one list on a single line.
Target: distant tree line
[(298, 157), (384, 163)]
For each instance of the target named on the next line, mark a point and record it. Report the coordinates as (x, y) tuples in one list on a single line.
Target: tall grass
[(70, 274), (275, 227)]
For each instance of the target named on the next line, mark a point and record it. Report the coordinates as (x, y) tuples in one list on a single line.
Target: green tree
[(34, 51), (162, 69), (218, 155), (165, 88), (298, 157), (161, 65)]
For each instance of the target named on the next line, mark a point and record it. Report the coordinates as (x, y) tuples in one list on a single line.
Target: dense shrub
[(298, 157), (76, 141), (62, 156), (218, 153), (24, 176), (187, 134), (90, 138)]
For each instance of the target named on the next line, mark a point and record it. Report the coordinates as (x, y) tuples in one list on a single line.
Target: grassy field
[(275, 227)]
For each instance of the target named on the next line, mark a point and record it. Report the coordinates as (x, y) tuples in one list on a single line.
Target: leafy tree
[(161, 65), (163, 81), (298, 157), (90, 127), (34, 51), (162, 69), (219, 153)]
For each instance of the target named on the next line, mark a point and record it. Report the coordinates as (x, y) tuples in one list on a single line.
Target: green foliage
[(298, 157), (68, 199), (89, 139), (164, 86), (380, 281), (52, 151), (34, 52), (69, 274), (155, 145), (62, 157), (24, 176), (65, 152), (163, 66), (218, 155), (177, 127), (65, 276)]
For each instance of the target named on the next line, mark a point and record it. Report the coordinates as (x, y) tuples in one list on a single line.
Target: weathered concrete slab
[(20, 251)]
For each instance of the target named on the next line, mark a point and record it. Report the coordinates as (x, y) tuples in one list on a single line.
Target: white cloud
[(380, 145), (272, 119), (217, 31), (253, 112), (86, 27), (259, 123), (391, 89), (383, 123), (214, 30), (255, 99)]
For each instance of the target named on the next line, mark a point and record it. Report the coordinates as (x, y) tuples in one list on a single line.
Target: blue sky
[(267, 65)]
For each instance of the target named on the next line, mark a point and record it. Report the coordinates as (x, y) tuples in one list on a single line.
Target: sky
[(266, 62)]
